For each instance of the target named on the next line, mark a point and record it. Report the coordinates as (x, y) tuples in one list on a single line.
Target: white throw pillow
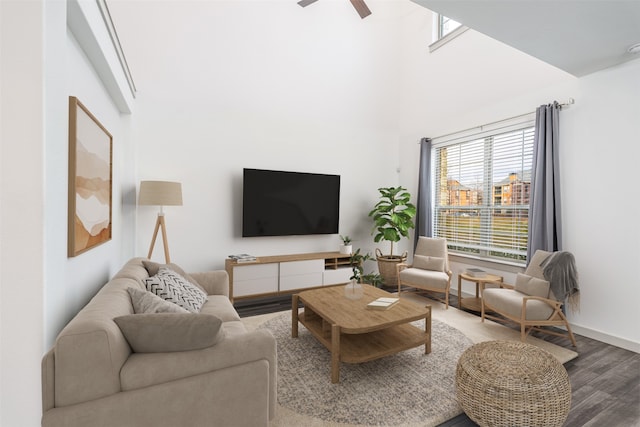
[(171, 286), (428, 262), (532, 286)]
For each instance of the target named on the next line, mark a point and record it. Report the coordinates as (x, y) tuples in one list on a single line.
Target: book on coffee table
[(383, 303)]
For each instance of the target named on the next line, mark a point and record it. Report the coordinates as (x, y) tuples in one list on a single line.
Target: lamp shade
[(163, 193)]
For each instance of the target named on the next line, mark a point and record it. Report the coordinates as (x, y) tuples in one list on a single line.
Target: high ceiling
[(577, 36)]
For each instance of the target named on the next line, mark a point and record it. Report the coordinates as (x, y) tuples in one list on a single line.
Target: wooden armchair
[(530, 303), (430, 269)]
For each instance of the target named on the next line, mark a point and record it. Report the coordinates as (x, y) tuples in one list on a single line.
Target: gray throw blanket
[(560, 271)]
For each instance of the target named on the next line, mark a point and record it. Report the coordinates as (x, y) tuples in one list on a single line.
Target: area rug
[(319, 398), (410, 388)]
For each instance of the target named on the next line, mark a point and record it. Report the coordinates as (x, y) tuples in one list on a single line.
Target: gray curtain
[(423, 205), (545, 228)]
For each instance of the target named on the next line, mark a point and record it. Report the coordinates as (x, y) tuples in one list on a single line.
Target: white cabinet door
[(334, 277), (255, 279), (301, 274)]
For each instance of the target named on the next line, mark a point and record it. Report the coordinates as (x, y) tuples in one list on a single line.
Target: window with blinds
[(482, 184)]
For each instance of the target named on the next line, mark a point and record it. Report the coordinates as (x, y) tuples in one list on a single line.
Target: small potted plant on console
[(345, 247)]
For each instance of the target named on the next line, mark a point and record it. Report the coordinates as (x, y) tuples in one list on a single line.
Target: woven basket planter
[(509, 383), (387, 267)]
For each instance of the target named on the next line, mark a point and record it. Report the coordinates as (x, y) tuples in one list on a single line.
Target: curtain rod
[(569, 102)]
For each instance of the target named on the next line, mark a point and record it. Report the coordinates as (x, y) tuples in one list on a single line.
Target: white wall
[(71, 282), (41, 289), (475, 80), (262, 85), (353, 100), (599, 208), (21, 215)]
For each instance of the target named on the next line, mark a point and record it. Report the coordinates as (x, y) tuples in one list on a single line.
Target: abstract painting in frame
[(90, 173)]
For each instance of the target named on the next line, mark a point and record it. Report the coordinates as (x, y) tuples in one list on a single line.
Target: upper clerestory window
[(446, 26), (445, 30)]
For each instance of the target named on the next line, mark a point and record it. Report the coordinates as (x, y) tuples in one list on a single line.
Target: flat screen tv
[(279, 203)]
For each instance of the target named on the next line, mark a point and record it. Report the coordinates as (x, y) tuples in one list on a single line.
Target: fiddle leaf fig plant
[(392, 215)]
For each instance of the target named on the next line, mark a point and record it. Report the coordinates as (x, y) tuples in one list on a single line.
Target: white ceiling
[(577, 36)]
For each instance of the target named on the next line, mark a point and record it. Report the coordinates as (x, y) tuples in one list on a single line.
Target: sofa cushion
[(509, 302), (532, 286), (153, 268), (427, 279), (428, 262), (219, 305), (171, 286), (166, 332), (146, 302)]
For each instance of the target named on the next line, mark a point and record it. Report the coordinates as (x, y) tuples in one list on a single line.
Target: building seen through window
[(482, 188)]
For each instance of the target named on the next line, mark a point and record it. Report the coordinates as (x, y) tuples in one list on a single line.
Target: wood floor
[(605, 380)]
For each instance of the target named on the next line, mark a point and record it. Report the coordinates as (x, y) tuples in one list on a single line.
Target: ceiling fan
[(360, 6)]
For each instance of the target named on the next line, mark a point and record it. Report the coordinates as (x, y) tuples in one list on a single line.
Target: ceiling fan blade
[(361, 7), (305, 3)]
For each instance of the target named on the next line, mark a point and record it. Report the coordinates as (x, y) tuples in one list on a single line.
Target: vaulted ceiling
[(577, 36)]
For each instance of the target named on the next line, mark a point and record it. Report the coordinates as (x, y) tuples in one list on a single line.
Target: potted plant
[(345, 247), (354, 290), (357, 264), (373, 279), (392, 219)]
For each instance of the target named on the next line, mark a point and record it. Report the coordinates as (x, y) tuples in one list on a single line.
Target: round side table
[(510, 383), (475, 304)]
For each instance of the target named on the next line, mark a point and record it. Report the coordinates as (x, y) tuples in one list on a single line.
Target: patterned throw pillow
[(153, 268), (171, 286), (146, 302)]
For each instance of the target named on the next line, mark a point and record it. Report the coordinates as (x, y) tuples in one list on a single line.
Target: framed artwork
[(90, 173)]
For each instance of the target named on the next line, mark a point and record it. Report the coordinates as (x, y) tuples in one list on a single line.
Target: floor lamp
[(162, 193)]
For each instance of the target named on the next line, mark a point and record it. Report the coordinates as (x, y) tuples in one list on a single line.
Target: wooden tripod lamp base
[(160, 225), (160, 193)]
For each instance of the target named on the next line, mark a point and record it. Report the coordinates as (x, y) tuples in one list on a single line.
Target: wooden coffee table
[(355, 334)]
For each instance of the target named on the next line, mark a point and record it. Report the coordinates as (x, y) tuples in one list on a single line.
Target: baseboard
[(606, 338)]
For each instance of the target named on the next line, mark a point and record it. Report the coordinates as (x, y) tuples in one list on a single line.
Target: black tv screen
[(279, 203)]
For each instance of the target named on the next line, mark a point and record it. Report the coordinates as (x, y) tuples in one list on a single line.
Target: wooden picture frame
[(90, 180)]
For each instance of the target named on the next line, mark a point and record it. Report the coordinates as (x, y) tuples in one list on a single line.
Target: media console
[(284, 274)]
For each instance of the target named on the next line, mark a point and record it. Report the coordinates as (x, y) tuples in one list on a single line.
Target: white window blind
[(482, 182)]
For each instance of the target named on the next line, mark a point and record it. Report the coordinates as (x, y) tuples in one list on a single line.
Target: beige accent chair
[(529, 303), (430, 269)]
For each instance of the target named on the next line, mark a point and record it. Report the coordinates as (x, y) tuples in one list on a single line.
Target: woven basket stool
[(510, 383)]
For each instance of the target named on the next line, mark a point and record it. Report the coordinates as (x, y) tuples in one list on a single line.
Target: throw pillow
[(532, 286), (146, 302), (171, 286), (166, 332), (428, 262), (153, 268)]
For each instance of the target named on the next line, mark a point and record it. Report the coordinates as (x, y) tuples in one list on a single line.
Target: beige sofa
[(91, 377)]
